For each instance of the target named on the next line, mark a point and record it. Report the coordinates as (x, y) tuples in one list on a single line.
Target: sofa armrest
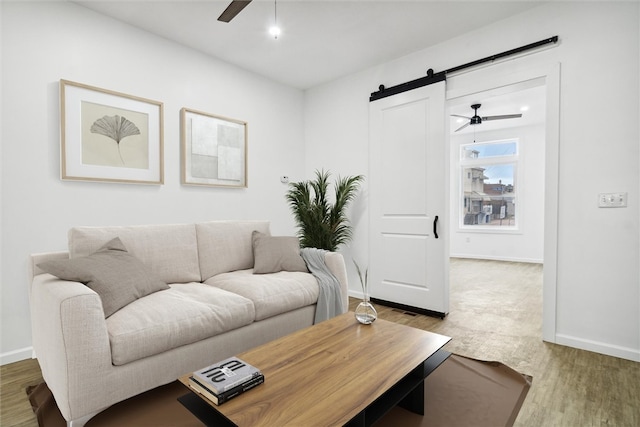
[(34, 259), (335, 263), (71, 341)]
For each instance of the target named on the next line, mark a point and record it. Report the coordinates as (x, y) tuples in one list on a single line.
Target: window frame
[(465, 163)]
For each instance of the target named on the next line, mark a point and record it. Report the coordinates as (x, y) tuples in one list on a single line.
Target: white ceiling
[(320, 41), (325, 40), (528, 99)]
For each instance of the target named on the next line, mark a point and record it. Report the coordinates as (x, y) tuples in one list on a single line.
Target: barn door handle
[(435, 228)]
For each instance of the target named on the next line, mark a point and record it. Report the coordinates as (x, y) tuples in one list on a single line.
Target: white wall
[(45, 42), (336, 131), (597, 295), (526, 243)]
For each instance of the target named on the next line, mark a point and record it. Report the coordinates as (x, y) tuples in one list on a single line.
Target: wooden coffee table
[(335, 373)]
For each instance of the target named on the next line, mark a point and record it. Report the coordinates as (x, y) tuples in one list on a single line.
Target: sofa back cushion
[(170, 250), (225, 246)]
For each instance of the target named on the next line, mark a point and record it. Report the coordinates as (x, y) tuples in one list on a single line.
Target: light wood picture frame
[(214, 150), (108, 136)]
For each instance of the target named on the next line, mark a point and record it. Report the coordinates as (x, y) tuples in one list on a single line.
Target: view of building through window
[(489, 184)]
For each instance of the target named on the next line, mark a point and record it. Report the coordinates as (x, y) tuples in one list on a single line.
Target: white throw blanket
[(330, 296)]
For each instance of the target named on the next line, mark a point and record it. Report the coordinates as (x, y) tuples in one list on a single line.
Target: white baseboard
[(16, 355), (599, 347), (356, 294)]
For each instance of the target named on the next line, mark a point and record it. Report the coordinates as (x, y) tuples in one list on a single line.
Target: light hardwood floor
[(496, 314)]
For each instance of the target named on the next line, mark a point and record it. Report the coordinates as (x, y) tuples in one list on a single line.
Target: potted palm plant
[(322, 224)]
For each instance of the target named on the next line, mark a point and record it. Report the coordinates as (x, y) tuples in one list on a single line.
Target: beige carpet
[(461, 392)]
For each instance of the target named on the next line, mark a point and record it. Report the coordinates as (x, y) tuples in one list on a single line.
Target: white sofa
[(215, 307)]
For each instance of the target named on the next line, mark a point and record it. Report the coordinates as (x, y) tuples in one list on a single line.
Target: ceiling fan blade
[(462, 117), (234, 8), (462, 127), (505, 116)]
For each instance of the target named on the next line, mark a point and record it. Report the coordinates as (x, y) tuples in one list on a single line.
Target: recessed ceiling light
[(275, 31), (524, 108)]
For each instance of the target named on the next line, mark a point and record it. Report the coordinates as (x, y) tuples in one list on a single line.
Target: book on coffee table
[(219, 399), (226, 374)]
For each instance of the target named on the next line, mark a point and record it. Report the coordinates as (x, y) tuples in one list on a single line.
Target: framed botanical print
[(214, 150), (110, 136)]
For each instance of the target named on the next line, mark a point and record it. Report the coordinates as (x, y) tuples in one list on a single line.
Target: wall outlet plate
[(612, 200)]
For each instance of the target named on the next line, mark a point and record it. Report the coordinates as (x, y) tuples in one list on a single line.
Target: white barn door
[(408, 185)]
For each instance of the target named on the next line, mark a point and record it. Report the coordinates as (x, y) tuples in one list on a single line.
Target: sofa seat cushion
[(272, 294), (184, 314)]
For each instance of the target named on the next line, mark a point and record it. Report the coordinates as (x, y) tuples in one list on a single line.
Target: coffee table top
[(328, 373)]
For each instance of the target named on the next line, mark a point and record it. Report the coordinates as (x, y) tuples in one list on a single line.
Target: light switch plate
[(612, 200)]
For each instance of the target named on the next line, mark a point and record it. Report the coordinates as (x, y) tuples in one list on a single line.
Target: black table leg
[(203, 411), (414, 401)]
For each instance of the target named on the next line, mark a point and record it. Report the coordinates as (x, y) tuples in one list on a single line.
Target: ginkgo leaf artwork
[(116, 128), (109, 136)]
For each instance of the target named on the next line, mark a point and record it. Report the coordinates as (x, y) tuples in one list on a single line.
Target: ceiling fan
[(476, 119), (234, 8)]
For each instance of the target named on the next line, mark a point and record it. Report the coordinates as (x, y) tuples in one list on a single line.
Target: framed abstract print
[(214, 150)]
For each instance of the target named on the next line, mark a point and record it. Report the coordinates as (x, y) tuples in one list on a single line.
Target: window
[(488, 187)]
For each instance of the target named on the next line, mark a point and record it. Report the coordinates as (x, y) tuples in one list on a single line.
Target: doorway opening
[(497, 175), (497, 197)]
